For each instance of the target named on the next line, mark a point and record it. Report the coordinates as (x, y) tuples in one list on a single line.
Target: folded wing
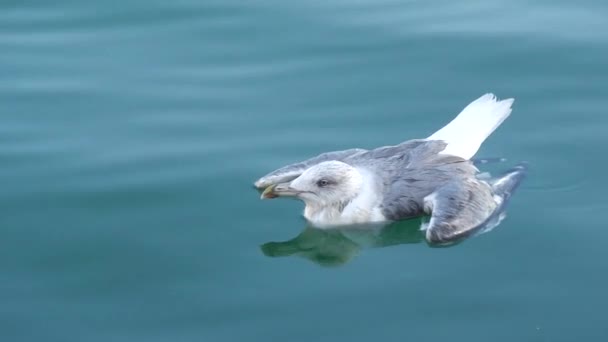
[(458, 209)]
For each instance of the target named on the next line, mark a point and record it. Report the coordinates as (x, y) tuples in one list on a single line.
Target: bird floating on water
[(433, 176)]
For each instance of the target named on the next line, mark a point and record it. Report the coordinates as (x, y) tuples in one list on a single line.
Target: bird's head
[(324, 184)]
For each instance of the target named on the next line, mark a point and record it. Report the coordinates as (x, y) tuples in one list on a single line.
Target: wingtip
[(472, 126), (488, 97), (493, 98)]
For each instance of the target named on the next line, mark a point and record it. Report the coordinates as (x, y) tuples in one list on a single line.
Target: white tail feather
[(465, 134)]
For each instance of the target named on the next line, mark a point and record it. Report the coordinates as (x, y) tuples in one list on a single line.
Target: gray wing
[(385, 159), (458, 209), (407, 154), (293, 171), (407, 180)]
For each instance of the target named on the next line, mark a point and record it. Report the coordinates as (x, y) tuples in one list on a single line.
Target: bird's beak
[(282, 189)]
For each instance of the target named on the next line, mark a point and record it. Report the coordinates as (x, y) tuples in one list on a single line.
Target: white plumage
[(465, 134), (407, 180)]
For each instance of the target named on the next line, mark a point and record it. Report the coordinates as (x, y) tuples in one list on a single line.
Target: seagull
[(433, 176)]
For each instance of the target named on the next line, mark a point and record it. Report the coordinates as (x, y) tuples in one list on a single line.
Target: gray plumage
[(433, 176), (408, 174)]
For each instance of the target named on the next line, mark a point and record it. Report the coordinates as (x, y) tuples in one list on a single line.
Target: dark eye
[(322, 183)]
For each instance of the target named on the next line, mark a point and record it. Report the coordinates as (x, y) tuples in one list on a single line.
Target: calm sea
[(131, 132)]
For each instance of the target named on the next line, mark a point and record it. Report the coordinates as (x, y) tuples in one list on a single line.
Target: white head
[(325, 184)]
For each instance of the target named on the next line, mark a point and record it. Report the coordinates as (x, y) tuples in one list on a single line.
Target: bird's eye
[(322, 183)]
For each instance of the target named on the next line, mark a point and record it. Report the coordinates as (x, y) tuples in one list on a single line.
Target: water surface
[(131, 133)]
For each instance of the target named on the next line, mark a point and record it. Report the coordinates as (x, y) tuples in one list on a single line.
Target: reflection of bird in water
[(418, 177), (335, 247)]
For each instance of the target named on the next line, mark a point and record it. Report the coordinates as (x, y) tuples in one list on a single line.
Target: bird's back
[(408, 172)]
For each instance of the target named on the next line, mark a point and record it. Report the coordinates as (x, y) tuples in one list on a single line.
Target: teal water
[(131, 133)]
